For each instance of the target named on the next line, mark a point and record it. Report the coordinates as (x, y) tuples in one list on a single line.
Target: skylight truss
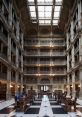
[(45, 12)]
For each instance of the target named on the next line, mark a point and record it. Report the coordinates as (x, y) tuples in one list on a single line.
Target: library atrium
[(40, 58)]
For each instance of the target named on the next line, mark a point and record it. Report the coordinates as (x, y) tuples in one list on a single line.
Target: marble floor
[(37, 109)]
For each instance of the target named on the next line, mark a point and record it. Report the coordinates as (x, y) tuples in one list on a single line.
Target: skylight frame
[(42, 11)]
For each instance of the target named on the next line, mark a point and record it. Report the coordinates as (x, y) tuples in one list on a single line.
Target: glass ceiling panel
[(40, 1), (44, 1), (42, 11), (33, 14), (58, 0), (48, 8), (41, 14), (48, 0), (32, 8), (41, 21), (30, 0), (56, 14), (57, 8), (41, 8), (47, 21), (48, 14), (55, 21)]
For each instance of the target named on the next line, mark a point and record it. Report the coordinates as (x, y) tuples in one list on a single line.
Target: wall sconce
[(18, 86), (79, 85), (11, 86), (71, 86), (67, 86)]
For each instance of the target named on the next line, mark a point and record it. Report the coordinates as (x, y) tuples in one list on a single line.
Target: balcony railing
[(58, 72), (3, 76), (58, 54), (3, 56), (31, 72), (3, 37), (12, 78), (38, 73), (45, 53), (31, 43), (44, 44), (45, 72), (76, 49), (51, 63), (58, 82), (59, 62), (13, 63), (77, 79), (13, 49)]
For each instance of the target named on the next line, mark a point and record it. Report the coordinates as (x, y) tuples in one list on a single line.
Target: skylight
[(45, 12)]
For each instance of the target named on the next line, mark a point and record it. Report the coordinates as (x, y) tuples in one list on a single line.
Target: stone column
[(17, 65), (21, 83), (80, 76), (67, 41), (8, 92), (10, 13), (80, 47), (80, 70), (9, 49), (73, 85), (16, 85), (72, 32), (79, 13), (68, 86)]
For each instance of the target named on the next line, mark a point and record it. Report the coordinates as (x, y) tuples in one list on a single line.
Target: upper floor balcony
[(49, 63), (48, 72), (46, 44), (45, 53)]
